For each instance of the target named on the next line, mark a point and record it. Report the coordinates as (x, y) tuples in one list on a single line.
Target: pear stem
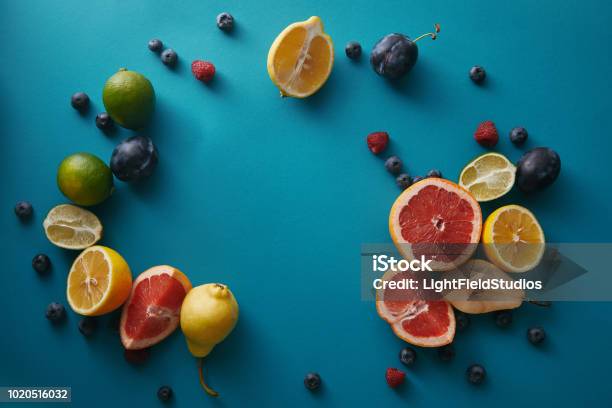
[(208, 390), (433, 35)]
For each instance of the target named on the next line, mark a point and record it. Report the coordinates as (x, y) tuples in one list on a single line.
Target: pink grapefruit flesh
[(152, 311)]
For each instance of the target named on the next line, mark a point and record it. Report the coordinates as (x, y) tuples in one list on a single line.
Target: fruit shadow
[(216, 85), (416, 84)]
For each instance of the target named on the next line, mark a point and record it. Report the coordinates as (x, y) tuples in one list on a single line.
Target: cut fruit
[(488, 177), (482, 301), (425, 323), (513, 239), (99, 281), (301, 58), (437, 219), (153, 309), (72, 227)]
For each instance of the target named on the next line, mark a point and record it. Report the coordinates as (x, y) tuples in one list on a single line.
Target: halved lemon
[(488, 176), (72, 227), (301, 58), (513, 239), (99, 281)]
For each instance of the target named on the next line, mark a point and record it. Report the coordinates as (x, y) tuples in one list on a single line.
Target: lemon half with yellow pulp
[(301, 58)]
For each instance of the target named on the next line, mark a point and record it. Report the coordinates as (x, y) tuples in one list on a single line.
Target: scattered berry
[(155, 45), (408, 356), (446, 353), (225, 22), (477, 74), (80, 101), (536, 335), (476, 374), (377, 141), (353, 50), (164, 393), (55, 312), (393, 165), (312, 381), (87, 326), (41, 263), (394, 377), (203, 70), (503, 318), (136, 356), (518, 135), (169, 57), (434, 173), (462, 320), (104, 121), (403, 181), (486, 134), (416, 179), (23, 210)]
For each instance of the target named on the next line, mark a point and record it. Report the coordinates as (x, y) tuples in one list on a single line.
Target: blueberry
[(134, 159), (477, 74), (104, 121), (353, 50), (155, 45), (87, 326), (416, 178), (393, 56), (518, 135), (41, 263), (403, 181), (476, 374), (434, 173), (446, 353), (537, 169), (407, 356), (503, 318), (55, 312), (80, 101), (393, 165), (164, 393), (462, 320), (23, 210), (536, 335), (225, 22), (312, 381), (169, 57)]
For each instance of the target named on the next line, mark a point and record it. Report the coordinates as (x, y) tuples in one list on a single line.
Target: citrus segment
[(437, 219), (152, 311), (99, 281), (488, 177), (71, 227), (513, 239), (301, 58)]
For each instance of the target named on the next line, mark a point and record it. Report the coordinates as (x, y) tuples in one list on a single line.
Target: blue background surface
[(275, 196)]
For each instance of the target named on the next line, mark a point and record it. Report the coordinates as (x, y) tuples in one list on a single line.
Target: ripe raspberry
[(486, 134), (203, 70), (394, 377), (378, 141)]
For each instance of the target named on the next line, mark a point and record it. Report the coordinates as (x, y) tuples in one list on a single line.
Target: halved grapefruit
[(438, 219), (152, 311), (425, 323)]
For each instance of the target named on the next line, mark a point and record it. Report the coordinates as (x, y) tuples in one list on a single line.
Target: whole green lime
[(129, 98), (85, 179)]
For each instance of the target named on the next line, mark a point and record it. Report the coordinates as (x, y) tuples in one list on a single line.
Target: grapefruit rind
[(135, 344), (405, 248)]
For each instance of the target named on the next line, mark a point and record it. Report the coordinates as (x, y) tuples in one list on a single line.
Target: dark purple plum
[(134, 159), (537, 169)]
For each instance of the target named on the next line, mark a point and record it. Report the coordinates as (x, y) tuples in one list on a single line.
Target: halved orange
[(301, 58), (99, 281)]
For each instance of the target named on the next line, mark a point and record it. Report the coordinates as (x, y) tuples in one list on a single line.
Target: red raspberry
[(486, 134), (378, 141), (203, 70), (394, 377)]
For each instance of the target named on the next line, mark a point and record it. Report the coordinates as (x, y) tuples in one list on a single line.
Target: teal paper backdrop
[(274, 197)]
